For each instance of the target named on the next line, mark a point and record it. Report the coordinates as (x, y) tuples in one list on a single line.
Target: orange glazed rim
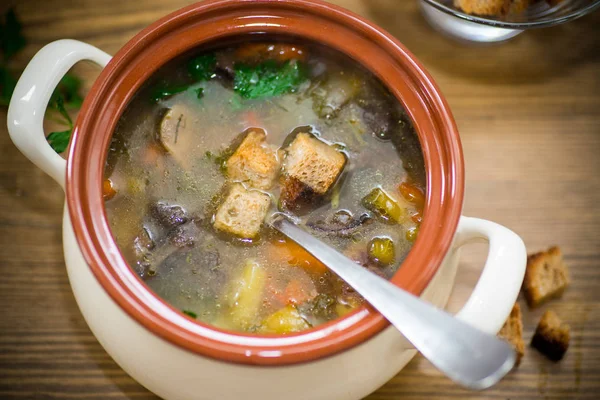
[(215, 20)]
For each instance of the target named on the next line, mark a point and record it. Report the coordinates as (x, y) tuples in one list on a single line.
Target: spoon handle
[(465, 354)]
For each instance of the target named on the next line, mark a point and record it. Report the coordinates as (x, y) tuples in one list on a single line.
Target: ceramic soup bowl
[(179, 358)]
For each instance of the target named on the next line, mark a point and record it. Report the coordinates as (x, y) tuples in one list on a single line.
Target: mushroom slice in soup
[(176, 132)]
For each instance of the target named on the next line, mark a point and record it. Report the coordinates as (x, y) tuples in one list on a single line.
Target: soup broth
[(218, 141)]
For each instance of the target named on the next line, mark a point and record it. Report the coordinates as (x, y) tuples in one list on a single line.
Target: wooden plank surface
[(529, 116)]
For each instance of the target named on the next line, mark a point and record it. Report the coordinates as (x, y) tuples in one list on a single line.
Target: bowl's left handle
[(32, 94)]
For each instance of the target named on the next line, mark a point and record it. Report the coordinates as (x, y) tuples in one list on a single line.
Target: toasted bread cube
[(310, 168), (517, 6), (512, 332), (254, 162), (482, 7), (551, 336), (492, 7), (243, 212), (313, 162), (546, 276)]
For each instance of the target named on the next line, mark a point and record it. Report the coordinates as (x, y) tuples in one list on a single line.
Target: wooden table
[(529, 116)]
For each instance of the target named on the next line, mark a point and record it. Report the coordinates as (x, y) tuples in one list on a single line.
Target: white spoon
[(468, 356)]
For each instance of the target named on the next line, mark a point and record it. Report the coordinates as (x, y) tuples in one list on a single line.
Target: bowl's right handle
[(501, 278), (32, 94)]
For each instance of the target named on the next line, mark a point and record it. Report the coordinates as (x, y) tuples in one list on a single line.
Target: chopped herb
[(267, 79), (202, 68), (165, 92), (199, 93), (190, 313), (220, 159), (59, 140), (11, 38)]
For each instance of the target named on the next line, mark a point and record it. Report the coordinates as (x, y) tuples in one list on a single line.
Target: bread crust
[(546, 276), (512, 332), (254, 162), (242, 212), (551, 336)]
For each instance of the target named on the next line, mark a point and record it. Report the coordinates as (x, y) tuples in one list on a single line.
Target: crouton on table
[(243, 212), (512, 331), (546, 276), (254, 162), (551, 336), (310, 168)]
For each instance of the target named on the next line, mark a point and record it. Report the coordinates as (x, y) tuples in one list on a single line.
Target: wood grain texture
[(528, 113)]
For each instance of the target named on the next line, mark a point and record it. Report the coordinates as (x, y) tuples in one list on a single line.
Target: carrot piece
[(412, 193), (259, 52), (297, 293), (108, 191), (291, 253), (417, 217)]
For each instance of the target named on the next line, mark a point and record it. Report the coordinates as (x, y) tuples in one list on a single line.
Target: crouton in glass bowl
[(499, 20)]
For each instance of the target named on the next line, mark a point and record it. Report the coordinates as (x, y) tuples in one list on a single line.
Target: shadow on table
[(534, 56)]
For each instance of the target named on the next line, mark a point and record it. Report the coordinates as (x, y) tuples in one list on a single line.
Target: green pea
[(382, 250)]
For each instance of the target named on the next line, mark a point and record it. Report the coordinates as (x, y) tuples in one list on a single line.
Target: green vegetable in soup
[(165, 92), (322, 306), (381, 203), (267, 79), (382, 250), (199, 92), (246, 295), (190, 313), (412, 233), (286, 320), (202, 67)]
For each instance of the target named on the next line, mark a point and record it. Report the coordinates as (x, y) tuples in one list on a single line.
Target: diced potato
[(335, 93), (243, 212), (286, 320), (254, 162), (384, 205), (246, 295)]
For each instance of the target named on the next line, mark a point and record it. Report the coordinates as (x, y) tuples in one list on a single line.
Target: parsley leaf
[(267, 79), (202, 68), (59, 105), (59, 141), (165, 92), (68, 89), (190, 313), (11, 38), (199, 92)]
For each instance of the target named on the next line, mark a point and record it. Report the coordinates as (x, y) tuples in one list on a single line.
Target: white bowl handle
[(32, 94), (501, 278)]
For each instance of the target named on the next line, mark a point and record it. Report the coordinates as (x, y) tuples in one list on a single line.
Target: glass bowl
[(451, 21)]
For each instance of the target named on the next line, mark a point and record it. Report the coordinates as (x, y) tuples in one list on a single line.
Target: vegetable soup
[(218, 141)]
